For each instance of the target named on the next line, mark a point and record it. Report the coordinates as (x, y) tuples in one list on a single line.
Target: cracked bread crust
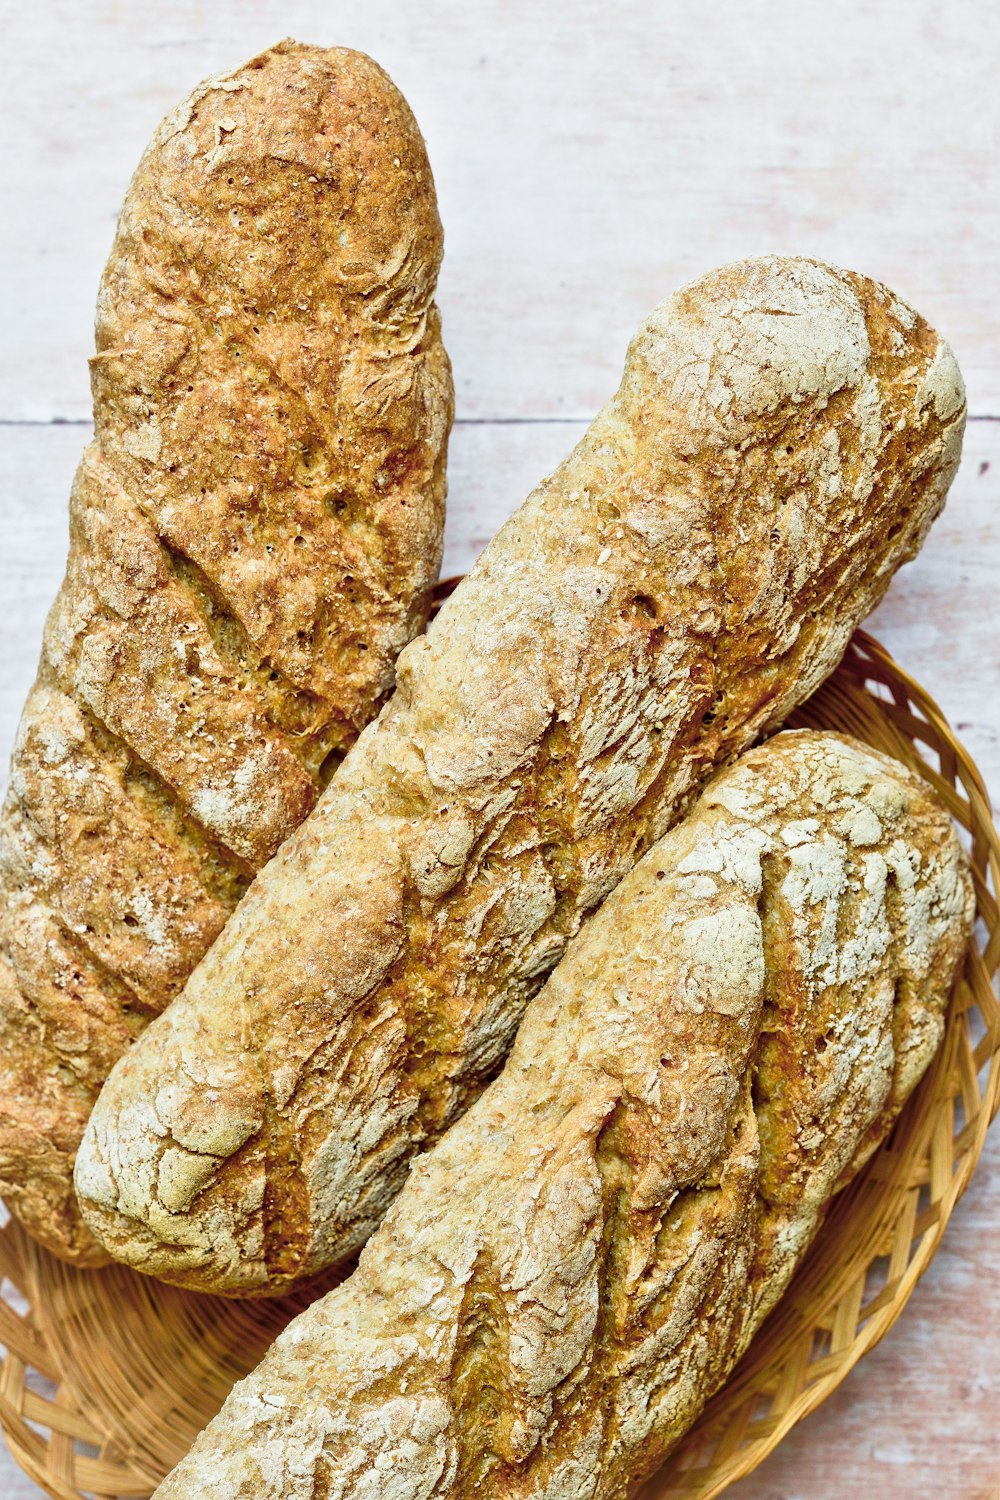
[(255, 532), (783, 436), (575, 1267)]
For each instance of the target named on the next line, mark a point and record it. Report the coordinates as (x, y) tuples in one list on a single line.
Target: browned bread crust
[(576, 1266), (783, 436), (255, 531)]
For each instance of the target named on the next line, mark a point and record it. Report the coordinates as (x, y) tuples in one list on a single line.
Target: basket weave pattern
[(108, 1376)]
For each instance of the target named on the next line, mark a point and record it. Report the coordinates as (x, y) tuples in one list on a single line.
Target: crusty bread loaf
[(255, 532), (573, 1270), (782, 438)]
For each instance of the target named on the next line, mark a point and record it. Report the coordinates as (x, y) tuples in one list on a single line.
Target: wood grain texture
[(589, 158)]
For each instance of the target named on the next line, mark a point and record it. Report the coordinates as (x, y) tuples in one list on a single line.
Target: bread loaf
[(782, 438), (255, 531), (574, 1269)]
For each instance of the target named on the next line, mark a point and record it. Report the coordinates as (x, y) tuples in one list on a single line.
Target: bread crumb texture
[(783, 436), (576, 1266), (254, 534)]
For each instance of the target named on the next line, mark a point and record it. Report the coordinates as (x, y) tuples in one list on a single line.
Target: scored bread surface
[(783, 436), (576, 1266), (255, 531)]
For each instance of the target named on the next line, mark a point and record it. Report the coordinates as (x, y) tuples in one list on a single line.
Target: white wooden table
[(589, 158)]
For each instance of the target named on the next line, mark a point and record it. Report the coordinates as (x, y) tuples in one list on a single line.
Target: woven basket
[(108, 1376)]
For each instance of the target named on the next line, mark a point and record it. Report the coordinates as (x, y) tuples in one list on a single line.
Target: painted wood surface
[(590, 157)]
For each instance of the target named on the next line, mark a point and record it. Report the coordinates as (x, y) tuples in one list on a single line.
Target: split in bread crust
[(783, 436), (575, 1268), (255, 532)]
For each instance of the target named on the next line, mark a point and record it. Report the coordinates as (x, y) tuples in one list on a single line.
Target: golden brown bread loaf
[(255, 531), (782, 438), (575, 1267)]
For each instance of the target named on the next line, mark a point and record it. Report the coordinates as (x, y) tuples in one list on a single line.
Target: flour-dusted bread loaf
[(574, 1269), (255, 531), (782, 438)]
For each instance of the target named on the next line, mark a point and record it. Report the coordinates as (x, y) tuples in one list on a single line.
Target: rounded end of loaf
[(732, 350), (272, 282), (821, 397), (152, 1145)]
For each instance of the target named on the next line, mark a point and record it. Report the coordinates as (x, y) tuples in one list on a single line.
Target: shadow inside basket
[(108, 1375)]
